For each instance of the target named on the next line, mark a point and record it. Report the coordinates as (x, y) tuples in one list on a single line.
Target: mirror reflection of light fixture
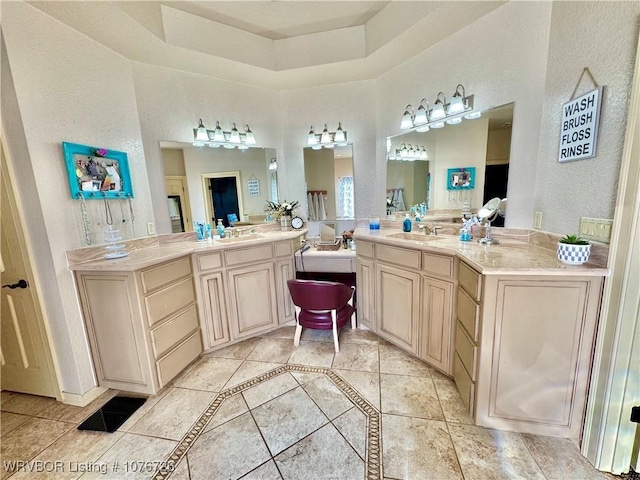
[(410, 153), (327, 139), (218, 137), (452, 113), (273, 165)]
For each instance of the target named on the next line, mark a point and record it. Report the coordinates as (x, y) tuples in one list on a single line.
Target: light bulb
[(235, 135), (325, 138), (218, 134), (339, 136), (201, 133)]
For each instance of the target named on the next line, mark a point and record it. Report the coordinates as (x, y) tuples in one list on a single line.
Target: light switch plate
[(597, 229), (537, 220)]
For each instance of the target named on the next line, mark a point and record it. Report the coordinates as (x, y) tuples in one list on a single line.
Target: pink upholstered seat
[(322, 306)]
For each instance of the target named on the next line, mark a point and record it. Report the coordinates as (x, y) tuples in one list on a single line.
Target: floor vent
[(112, 414)]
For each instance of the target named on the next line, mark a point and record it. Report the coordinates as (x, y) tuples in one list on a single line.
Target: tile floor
[(263, 409)]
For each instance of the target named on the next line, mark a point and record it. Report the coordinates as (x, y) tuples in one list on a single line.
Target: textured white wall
[(500, 58), (86, 97), (601, 36)]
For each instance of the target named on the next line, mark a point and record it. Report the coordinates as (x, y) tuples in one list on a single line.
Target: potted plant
[(573, 250)]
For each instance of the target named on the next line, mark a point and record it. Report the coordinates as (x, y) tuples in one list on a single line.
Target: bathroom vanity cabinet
[(413, 293), (523, 349), (242, 290), (512, 325), (143, 325)]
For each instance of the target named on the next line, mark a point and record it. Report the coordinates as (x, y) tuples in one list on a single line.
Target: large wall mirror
[(452, 167), (205, 184), (329, 177)]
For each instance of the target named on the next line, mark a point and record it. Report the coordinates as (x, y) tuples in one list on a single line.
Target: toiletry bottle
[(220, 228), (406, 224), (208, 231)]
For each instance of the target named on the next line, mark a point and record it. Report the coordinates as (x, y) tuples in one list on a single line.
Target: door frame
[(609, 435), (208, 199), (34, 284), (186, 205)]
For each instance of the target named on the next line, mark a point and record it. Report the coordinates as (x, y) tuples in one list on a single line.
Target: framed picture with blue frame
[(461, 178), (97, 173)]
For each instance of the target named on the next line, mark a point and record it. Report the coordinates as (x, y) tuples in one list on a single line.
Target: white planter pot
[(573, 254)]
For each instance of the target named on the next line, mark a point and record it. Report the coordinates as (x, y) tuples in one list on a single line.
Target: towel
[(400, 200), (322, 213), (312, 210)]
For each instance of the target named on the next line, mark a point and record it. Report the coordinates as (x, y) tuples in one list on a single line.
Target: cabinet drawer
[(468, 314), (165, 274), (283, 249), (209, 261), (166, 335), (470, 280), (181, 356), (437, 264), (169, 300), (398, 256), (364, 249), (248, 255), (465, 385), (466, 350)]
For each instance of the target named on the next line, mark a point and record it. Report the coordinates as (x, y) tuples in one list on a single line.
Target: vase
[(573, 254), (285, 222)]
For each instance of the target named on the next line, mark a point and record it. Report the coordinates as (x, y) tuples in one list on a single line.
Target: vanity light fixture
[(452, 113), (273, 165), (218, 137), (327, 139)]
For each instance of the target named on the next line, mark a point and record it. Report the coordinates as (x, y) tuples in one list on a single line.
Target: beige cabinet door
[(436, 323), (365, 278), (284, 271), (214, 307), (25, 356), (398, 306), (252, 299)]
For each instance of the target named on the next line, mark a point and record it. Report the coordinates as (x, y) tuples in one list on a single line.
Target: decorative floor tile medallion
[(373, 454)]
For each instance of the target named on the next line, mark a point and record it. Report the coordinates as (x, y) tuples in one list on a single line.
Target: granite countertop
[(513, 256), (149, 251)]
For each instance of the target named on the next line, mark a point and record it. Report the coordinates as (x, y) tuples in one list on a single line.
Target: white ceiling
[(277, 20), (272, 44)]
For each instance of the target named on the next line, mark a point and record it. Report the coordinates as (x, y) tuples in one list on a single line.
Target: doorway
[(223, 196), (495, 185), (178, 202)]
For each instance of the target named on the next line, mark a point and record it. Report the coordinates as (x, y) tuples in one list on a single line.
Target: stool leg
[(335, 331), (296, 338)]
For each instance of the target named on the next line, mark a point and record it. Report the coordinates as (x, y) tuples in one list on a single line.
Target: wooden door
[(365, 290), (252, 299), (285, 271), (25, 355), (398, 306), (215, 325), (436, 337)]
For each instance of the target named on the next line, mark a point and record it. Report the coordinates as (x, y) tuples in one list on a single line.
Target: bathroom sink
[(418, 237), (242, 238)]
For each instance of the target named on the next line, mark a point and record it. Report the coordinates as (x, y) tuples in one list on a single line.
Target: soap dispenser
[(406, 224), (220, 228)]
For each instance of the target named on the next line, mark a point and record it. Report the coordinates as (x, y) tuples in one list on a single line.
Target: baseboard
[(84, 399)]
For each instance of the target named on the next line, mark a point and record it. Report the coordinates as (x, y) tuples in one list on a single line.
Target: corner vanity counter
[(153, 312), (510, 323)]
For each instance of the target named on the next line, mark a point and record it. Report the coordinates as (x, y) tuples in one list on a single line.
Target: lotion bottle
[(406, 224), (220, 228)]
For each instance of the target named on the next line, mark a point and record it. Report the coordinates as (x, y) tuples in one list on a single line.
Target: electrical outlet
[(598, 229), (537, 220), (151, 228)]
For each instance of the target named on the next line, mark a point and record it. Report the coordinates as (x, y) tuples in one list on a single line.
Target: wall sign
[(254, 187), (579, 127)]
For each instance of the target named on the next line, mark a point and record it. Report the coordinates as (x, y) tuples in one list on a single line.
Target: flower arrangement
[(278, 210)]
